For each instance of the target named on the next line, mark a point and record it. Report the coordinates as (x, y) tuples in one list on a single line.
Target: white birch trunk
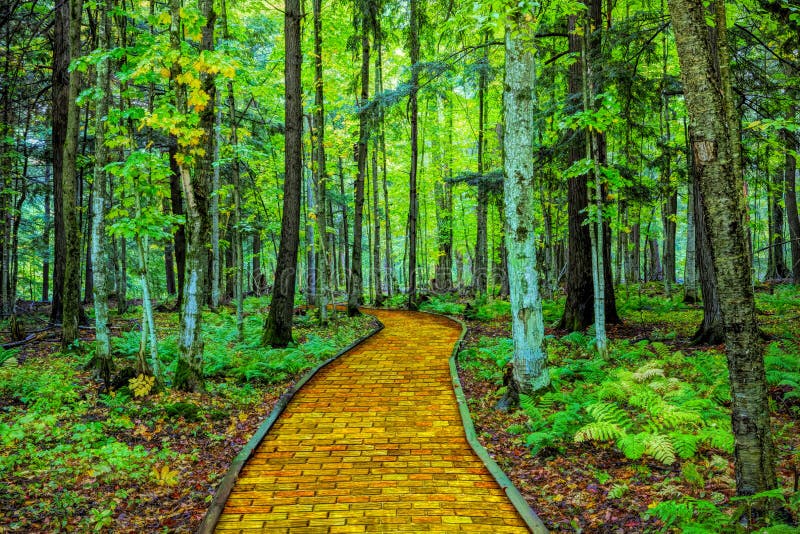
[(100, 186), (596, 225), (530, 359), (215, 252)]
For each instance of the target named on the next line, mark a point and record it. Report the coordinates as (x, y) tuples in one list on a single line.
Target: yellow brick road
[(373, 443)]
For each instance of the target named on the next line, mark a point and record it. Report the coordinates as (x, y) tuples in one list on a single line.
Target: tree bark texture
[(529, 362), (99, 248), (356, 286), (790, 195), (61, 59), (278, 325), (706, 89), (196, 189), (72, 263), (412, 175)]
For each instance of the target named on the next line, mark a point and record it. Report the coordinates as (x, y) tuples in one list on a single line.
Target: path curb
[(523, 508), (226, 485)]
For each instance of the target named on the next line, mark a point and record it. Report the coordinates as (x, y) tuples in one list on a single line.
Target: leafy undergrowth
[(640, 441), (75, 459)]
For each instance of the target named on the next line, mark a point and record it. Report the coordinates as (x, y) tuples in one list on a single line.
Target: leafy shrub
[(443, 304)]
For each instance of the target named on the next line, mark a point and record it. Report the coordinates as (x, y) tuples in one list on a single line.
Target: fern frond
[(645, 373), (662, 387), (538, 441), (662, 351), (685, 444), (617, 491), (528, 404), (660, 447), (516, 429), (609, 412), (632, 446), (648, 400), (718, 438), (598, 431)]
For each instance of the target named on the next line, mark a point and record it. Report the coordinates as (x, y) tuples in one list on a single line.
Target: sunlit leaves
[(141, 385)]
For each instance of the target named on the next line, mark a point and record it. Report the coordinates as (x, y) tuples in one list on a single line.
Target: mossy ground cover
[(639, 441), (74, 458)]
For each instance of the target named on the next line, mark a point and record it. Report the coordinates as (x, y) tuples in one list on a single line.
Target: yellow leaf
[(141, 385), (165, 476), (164, 18), (242, 417)]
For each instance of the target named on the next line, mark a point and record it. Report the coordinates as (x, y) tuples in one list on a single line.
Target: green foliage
[(641, 406), (487, 309), (618, 491), (488, 358), (444, 304), (690, 515)]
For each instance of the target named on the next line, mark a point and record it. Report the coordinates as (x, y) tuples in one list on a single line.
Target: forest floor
[(73, 458), (639, 441)]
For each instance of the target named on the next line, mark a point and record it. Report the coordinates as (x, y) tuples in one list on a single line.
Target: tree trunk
[(259, 280), (776, 269), (578, 308), (278, 325), (790, 195), (216, 254), (710, 330), (103, 360), (61, 77), (715, 147), (529, 361), (481, 264), (412, 176), (176, 200), (72, 262), (690, 295), (238, 241), (169, 262), (320, 174), (376, 239), (345, 231), (382, 134), (356, 286), (46, 235), (196, 186)]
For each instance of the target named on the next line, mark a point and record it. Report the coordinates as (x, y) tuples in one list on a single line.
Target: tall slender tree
[(196, 189), (413, 201), (716, 147), (278, 325), (72, 264), (578, 311), (366, 17), (100, 254), (59, 106), (319, 166), (529, 361)]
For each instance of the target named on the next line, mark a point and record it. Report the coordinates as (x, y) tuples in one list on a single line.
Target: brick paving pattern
[(373, 443)]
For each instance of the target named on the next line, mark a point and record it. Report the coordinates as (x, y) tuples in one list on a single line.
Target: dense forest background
[(181, 156)]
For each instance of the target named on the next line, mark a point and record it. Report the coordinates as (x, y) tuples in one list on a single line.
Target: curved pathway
[(373, 442)]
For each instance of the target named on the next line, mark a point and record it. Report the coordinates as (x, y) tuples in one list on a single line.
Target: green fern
[(528, 405), (609, 413), (660, 447), (538, 441), (647, 373), (617, 491), (633, 446), (685, 445), (598, 431)]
